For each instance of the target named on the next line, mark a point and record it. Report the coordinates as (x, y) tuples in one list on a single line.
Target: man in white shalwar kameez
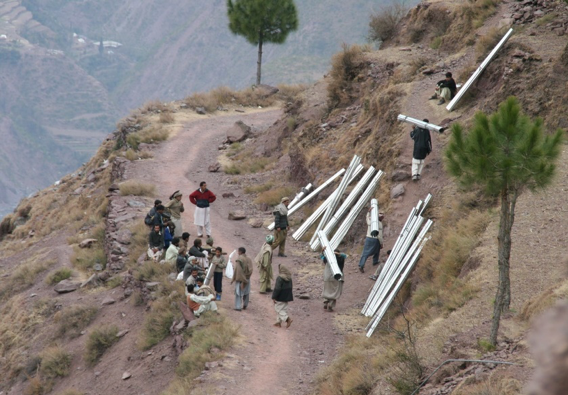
[(202, 198)]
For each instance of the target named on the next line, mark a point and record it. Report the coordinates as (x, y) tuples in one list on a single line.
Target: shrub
[(74, 319), (133, 155), (436, 42), (383, 24), (35, 387), (100, 340), (345, 66), (157, 323), (23, 276), (152, 133), (85, 258), (58, 275), (55, 362), (166, 117), (137, 188), (272, 196)]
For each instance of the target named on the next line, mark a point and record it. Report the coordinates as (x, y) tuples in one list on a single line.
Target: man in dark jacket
[(202, 198), (281, 226), (149, 220), (446, 89), (422, 148), (155, 243), (281, 295)]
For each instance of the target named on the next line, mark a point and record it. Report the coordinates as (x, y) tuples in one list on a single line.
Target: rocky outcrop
[(238, 132), (66, 286)]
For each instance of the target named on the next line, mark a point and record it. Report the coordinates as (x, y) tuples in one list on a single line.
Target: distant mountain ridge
[(57, 72)]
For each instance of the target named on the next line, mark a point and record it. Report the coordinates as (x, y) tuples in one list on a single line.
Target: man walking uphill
[(202, 198), (281, 226), (422, 148), (373, 243), (264, 263)]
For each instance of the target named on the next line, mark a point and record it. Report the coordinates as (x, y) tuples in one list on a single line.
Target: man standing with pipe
[(332, 286), (422, 148), (373, 242), (281, 226)]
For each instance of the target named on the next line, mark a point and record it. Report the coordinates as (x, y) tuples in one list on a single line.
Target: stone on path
[(108, 300), (238, 132), (66, 286), (87, 243), (126, 375), (397, 190), (237, 215)]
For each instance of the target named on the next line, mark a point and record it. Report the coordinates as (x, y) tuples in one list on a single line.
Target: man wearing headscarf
[(175, 208), (264, 262), (282, 295), (281, 226), (332, 286), (241, 278)]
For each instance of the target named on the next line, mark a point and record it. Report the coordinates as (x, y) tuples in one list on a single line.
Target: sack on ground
[(229, 270)]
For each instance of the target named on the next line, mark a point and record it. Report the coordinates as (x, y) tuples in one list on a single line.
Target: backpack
[(149, 220)]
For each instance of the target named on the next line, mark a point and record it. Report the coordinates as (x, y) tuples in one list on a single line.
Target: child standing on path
[(281, 295)]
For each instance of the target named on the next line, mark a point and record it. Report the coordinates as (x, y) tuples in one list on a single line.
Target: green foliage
[(436, 42), (262, 20), (503, 152), (58, 275), (100, 340), (485, 345)]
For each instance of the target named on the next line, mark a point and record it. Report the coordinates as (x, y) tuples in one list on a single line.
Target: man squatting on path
[(241, 278), (202, 198), (373, 242), (422, 148), (264, 263), (281, 295), (281, 226), (332, 287), (446, 89)]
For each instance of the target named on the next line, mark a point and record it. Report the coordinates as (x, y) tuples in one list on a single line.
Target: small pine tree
[(505, 154), (261, 21)]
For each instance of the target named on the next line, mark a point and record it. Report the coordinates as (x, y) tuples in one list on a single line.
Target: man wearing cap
[(422, 148), (373, 243), (175, 208), (202, 198), (281, 226), (264, 262)]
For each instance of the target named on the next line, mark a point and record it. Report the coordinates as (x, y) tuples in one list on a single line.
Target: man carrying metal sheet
[(373, 242), (281, 226), (332, 286), (422, 148)]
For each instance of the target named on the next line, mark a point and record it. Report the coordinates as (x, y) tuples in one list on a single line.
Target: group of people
[(197, 265)]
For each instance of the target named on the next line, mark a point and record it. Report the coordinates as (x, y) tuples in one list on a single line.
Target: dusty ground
[(267, 360)]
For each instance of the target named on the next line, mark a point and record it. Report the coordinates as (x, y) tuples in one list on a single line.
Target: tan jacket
[(175, 207)]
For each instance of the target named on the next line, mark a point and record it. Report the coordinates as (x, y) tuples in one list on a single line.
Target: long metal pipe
[(393, 270), (405, 229), (354, 212), (345, 206), (478, 72), (421, 124), (426, 203), (387, 286), (374, 217), (311, 195), (209, 274), (341, 189), (320, 210), (305, 190), (387, 300), (330, 255)]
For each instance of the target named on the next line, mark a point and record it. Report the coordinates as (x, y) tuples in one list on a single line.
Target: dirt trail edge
[(268, 359)]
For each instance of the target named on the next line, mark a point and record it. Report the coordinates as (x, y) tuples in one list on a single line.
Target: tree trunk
[(259, 61), (503, 296)]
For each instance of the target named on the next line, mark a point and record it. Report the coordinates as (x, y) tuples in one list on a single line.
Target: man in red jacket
[(202, 198)]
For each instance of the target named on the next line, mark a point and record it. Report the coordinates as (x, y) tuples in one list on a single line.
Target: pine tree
[(261, 21), (504, 154)]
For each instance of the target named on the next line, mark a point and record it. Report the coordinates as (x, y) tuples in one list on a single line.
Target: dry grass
[(58, 275), (85, 258), (73, 319), (152, 133), (132, 155), (493, 386), (384, 23), (35, 387), (542, 302), (137, 188), (487, 42), (138, 242), (213, 331), (24, 276), (273, 196), (71, 391), (55, 362), (154, 106), (345, 67), (166, 117), (252, 189), (244, 161), (100, 340)]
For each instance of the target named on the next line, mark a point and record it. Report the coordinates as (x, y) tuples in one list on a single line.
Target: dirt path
[(267, 360)]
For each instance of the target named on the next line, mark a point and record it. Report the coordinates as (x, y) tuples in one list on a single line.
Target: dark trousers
[(372, 247), (218, 282)]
